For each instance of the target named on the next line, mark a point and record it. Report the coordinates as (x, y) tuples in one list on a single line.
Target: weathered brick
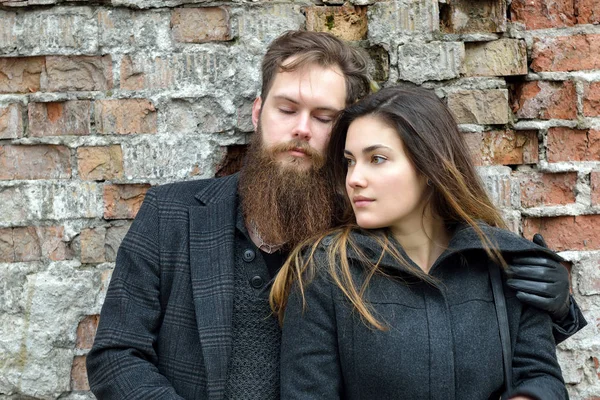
[(479, 106), (444, 61), (79, 378), (545, 100), (7, 31), (588, 282), (126, 30), (379, 65), (86, 330), (464, 16), (539, 189), (57, 30), (173, 71), (595, 186), (33, 243), (125, 116), (35, 162), (541, 14), (114, 237), (566, 233), (78, 73), (7, 245), (390, 21), (21, 203), (265, 23), (503, 147), (21, 75), (123, 201), (199, 25), (565, 144), (100, 162), (502, 57), (92, 245), (588, 11), (11, 121), (59, 118), (347, 22), (566, 53), (591, 99), (496, 181)]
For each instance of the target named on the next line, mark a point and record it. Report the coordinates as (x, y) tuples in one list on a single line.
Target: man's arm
[(544, 283), (122, 362)]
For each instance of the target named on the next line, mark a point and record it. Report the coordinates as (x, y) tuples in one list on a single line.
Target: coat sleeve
[(310, 365), (122, 362), (572, 324), (536, 372)]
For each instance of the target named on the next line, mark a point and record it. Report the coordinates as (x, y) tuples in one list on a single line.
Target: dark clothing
[(166, 326), (443, 338), (253, 371)]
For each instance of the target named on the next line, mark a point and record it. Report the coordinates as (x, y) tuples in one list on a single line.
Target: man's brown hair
[(319, 48)]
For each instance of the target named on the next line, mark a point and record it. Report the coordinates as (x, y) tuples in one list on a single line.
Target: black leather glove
[(541, 282)]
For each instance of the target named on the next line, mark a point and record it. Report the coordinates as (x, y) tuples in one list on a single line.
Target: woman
[(397, 303)]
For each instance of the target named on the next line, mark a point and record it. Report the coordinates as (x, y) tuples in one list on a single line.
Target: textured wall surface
[(101, 99)]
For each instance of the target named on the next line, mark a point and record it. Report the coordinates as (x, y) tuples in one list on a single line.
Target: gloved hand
[(541, 282)]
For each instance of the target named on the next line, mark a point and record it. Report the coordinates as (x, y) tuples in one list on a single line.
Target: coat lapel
[(212, 233)]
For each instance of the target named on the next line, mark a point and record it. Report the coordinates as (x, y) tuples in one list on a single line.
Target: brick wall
[(101, 100)]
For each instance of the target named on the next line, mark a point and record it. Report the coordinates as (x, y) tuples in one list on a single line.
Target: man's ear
[(256, 107)]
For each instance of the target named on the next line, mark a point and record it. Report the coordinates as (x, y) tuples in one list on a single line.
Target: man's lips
[(361, 201), (298, 152)]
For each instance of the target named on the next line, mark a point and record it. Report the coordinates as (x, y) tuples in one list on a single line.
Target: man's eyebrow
[(289, 99), (369, 149)]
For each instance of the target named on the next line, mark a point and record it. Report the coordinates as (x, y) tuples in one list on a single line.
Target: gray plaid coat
[(165, 327)]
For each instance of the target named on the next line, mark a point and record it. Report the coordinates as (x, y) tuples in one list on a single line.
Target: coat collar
[(218, 190), (463, 239)]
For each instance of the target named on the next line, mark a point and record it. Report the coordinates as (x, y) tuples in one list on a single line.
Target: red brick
[(503, 147), (347, 22), (132, 78), (33, 243), (92, 245), (595, 186), (123, 201), (7, 246), (79, 378), (565, 144), (11, 121), (59, 118), (20, 75), (100, 163), (125, 116), (86, 331), (538, 189), (545, 100), (541, 14), (566, 53), (591, 99), (588, 11), (199, 25), (566, 233), (35, 162), (78, 73)]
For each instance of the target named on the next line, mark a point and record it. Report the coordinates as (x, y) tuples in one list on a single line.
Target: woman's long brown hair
[(455, 194)]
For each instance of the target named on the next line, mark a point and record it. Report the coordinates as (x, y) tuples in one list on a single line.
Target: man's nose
[(302, 128)]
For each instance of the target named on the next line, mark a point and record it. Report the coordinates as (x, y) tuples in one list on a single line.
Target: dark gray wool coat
[(443, 340)]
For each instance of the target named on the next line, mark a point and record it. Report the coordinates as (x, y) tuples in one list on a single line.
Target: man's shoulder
[(190, 192)]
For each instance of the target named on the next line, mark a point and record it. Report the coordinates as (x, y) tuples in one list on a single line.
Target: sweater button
[(257, 282), (248, 255)]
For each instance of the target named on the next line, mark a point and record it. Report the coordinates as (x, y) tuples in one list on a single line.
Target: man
[(186, 315)]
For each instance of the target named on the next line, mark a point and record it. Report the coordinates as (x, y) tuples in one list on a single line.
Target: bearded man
[(186, 314)]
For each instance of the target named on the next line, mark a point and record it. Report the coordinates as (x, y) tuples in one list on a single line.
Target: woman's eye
[(378, 159), (350, 162)]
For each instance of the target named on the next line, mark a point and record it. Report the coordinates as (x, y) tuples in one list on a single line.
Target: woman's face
[(383, 186)]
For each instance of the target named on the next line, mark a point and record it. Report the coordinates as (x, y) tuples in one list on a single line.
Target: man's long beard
[(284, 202)]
